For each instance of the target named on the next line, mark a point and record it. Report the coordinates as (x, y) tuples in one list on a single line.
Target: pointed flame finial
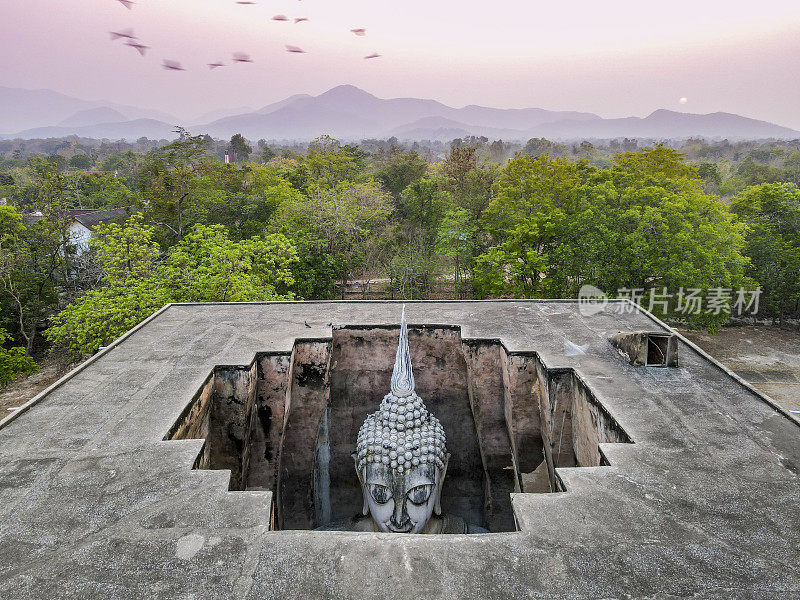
[(403, 374)]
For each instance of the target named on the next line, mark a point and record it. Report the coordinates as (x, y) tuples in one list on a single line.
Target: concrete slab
[(93, 502)]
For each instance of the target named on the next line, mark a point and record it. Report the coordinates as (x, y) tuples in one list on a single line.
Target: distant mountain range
[(349, 113), (27, 109)]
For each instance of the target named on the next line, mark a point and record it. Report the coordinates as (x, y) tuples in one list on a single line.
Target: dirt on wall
[(288, 422)]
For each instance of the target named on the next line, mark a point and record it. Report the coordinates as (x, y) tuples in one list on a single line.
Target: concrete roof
[(92, 218), (88, 217), (93, 503)]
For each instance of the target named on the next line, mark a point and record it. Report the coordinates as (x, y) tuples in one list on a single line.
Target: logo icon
[(591, 300)]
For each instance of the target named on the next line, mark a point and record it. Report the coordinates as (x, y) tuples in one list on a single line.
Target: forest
[(207, 220)]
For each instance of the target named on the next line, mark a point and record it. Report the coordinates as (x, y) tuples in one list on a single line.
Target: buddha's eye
[(420, 494), (380, 493)]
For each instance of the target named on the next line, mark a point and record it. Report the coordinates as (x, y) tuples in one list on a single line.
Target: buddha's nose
[(400, 516)]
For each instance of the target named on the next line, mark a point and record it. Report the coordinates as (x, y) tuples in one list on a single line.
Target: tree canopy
[(383, 219)]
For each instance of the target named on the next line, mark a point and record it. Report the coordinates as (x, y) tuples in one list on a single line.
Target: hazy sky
[(615, 58)]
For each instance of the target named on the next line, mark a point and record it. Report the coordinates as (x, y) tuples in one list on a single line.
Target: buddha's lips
[(404, 529)]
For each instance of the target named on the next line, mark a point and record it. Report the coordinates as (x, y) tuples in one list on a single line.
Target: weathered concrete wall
[(575, 423), (218, 414), (265, 422), (485, 377), (562, 396), (522, 400), (592, 425), (544, 399), (193, 423), (306, 402), (288, 423), (227, 427)]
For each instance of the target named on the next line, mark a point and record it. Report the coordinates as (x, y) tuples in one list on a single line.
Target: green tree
[(710, 174), (239, 149), (328, 164), (127, 252), (81, 161), (243, 198), (13, 361), (468, 181), (643, 224), (205, 266), (411, 268), (457, 241), (536, 147), (168, 181), (399, 170), (267, 154), (35, 260), (772, 214), (100, 190), (336, 223)]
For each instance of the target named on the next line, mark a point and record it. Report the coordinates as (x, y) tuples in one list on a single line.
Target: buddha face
[(401, 502)]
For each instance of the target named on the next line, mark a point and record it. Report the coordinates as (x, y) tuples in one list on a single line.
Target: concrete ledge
[(38, 397)]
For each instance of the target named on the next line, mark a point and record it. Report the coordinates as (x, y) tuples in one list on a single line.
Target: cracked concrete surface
[(93, 502)]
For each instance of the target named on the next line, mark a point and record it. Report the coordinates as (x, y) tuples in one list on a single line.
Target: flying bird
[(215, 65), (300, 20), (172, 65), (123, 33), (140, 48), (241, 57), (126, 3), (373, 55), (359, 31), (294, 49), (280, 18)]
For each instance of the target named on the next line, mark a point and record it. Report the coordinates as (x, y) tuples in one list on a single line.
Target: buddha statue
[(401, 462)]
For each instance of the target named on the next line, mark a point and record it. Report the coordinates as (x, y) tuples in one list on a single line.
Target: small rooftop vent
[(647, 348)]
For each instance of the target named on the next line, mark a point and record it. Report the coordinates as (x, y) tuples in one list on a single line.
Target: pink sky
[(615, 58)]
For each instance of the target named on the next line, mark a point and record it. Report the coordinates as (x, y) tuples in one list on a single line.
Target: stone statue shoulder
[(455, 524), (352, 524)]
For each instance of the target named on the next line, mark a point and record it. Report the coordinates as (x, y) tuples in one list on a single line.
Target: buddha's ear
[(437, 508), (365, 506)]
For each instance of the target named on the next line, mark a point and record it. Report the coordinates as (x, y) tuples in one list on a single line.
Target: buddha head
[(401, 457)]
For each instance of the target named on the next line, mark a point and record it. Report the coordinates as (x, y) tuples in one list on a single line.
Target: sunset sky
[(615, 58)]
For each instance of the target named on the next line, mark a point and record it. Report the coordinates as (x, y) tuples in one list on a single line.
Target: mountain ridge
[(22, 109), (351, 113)]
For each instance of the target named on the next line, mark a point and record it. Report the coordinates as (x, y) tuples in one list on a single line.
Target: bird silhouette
[(373, 55), (172, 65), (300, 20), (215, 65), (280, 18), (140, 48), (307, 325), (294, 49), (241, 57), (359, 31), (126, 3), (123, 33)]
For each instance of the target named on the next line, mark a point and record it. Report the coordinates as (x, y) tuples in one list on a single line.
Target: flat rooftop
[(95, 503)]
